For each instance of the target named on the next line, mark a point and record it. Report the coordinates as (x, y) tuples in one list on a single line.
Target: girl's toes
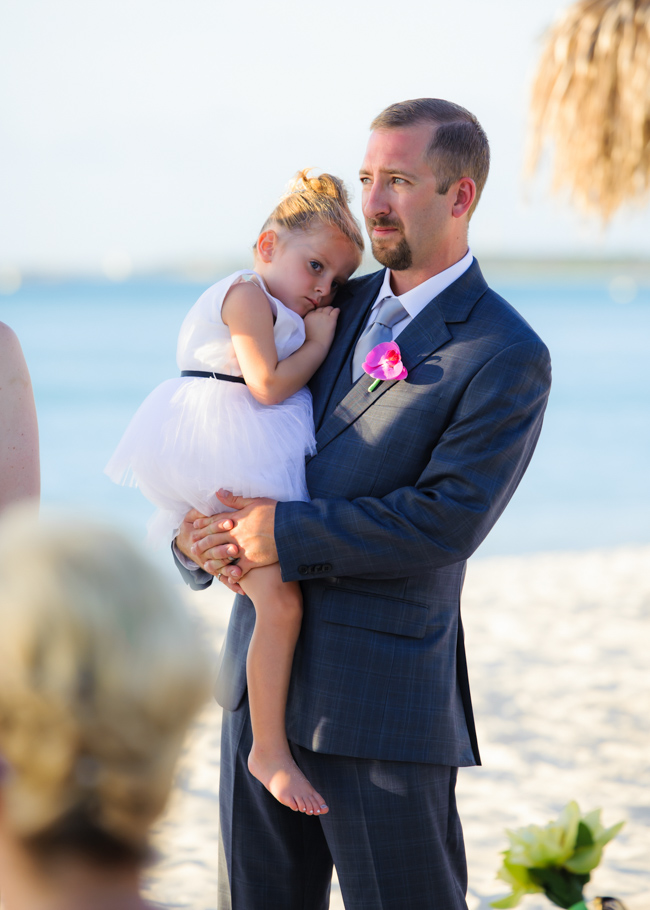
[(320, 806)]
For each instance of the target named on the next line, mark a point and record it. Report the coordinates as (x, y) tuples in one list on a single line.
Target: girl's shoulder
[(247, 288), (208, 306), (248, 277)]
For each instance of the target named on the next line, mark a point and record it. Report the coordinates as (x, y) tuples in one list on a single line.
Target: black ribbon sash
[(204, 375)]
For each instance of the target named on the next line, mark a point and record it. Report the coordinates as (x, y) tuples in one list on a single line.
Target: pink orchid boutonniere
[(384, 362)]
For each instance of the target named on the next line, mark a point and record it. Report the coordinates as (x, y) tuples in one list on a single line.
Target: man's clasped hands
[(244, 535)]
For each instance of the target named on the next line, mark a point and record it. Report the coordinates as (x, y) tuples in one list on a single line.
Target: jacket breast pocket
[(368, 611)]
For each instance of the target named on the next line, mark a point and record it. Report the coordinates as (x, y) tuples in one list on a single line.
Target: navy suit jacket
[(407, 481)]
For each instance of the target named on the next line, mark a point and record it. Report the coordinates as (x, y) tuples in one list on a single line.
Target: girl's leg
[(278, 609)]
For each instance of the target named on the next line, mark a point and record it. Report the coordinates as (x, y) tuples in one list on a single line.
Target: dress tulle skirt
[(193, 436)]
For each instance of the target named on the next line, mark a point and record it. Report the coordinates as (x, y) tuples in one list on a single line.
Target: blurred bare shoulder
[(19, 452)]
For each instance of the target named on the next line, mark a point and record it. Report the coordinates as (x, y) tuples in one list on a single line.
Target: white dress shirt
[(415, 300)]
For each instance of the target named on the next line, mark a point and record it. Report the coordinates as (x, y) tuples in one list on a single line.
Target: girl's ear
[(267, 244)]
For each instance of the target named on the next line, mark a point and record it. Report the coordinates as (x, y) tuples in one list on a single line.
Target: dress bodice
[(204, 342)]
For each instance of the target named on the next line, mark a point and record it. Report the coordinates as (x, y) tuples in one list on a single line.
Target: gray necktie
[(390, 311)]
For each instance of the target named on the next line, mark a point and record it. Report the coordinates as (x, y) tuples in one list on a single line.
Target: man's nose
[(375, 201)]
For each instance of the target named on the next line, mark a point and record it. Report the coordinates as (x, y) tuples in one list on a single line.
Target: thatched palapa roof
[(591, 97)]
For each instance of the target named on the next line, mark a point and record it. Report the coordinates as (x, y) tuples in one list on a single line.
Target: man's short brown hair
[(459, 146)]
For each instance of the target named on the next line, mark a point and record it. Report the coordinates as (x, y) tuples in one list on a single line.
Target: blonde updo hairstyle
[(313, 202), (101, 672)]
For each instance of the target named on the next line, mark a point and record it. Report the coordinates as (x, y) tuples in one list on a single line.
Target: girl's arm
[(19, 462), (247, 313)]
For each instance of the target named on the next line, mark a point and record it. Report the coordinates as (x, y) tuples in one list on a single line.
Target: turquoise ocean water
[(95, 349)]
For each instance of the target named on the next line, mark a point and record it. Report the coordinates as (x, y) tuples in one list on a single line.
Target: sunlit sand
[(558, 647)]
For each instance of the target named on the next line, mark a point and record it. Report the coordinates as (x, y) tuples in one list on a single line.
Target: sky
[(155, 134)]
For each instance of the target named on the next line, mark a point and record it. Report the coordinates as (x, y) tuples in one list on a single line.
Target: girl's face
[(303, 269)]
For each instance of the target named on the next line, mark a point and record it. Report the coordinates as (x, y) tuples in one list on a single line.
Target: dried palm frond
[(591, 97)]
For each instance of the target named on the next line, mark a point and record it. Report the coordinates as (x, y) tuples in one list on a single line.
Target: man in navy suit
[(407, 482)]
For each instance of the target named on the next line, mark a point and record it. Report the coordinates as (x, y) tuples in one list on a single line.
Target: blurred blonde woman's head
[(101, 672)]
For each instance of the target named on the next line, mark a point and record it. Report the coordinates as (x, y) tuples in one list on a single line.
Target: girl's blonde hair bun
[(314, 201), (324, 184)]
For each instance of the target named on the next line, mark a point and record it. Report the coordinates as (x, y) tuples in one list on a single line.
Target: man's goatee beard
[(397, 258)]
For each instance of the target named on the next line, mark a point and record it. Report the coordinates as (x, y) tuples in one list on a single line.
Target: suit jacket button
[(304, 570)]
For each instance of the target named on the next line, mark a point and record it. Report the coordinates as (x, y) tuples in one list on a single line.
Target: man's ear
[(465, 194), (267, 244)]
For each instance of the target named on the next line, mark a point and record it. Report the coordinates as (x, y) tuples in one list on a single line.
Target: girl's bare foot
[(283, 778)]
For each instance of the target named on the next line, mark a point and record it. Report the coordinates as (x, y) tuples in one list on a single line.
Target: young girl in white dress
[(239, 418)]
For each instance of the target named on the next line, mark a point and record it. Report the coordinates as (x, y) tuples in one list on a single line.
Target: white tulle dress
[(195, 435)]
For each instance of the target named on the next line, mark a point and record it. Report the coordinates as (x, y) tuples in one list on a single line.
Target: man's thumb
[(233, 502)]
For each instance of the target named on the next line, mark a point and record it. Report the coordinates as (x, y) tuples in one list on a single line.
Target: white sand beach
[(558, 647)]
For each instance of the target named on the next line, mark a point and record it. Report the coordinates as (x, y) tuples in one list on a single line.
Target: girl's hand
[(320, 325)]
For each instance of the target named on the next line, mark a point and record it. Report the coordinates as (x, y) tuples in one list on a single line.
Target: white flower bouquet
[(556, 860)]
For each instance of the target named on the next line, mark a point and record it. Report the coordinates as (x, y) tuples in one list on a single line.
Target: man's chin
[(397, 258)]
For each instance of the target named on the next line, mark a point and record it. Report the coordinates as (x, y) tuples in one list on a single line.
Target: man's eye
[(365, 181), (316, 265), (398, 180)]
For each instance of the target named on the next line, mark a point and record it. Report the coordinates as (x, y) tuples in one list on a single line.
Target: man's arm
[(473, 471)]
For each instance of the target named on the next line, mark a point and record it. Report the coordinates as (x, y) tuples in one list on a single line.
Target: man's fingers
[(233, 502), (214, 548), (218, 522), (203, 542), (193, 514), (232, 572)]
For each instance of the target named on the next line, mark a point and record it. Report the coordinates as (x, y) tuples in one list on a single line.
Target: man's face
[(406, 218)]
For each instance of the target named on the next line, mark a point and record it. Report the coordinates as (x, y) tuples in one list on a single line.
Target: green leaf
[(519, 880), (609, 834), (569, 819), (584, 838), (510, 901), (592, 821), (561, 887), (585, 860)]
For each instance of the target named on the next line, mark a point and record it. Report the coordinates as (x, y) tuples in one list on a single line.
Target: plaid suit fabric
[(407, 482), (393, 833)]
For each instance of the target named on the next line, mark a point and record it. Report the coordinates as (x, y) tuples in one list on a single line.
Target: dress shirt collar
[(415, 300)]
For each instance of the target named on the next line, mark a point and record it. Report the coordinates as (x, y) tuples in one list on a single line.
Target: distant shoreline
[(502, 268)]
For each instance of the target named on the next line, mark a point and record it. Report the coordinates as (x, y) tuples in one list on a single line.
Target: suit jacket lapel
[(334, 379), (424, 335)]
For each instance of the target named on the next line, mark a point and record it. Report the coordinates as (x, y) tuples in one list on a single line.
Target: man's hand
[(245, 535), (183, 539)]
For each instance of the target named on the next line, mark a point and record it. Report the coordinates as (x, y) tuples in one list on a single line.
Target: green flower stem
[(579, 906), (374, 385)]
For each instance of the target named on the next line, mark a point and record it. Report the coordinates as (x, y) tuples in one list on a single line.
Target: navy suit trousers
[(392, 831)]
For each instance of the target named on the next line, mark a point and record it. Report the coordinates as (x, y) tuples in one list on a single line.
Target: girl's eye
[(315, 264)]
